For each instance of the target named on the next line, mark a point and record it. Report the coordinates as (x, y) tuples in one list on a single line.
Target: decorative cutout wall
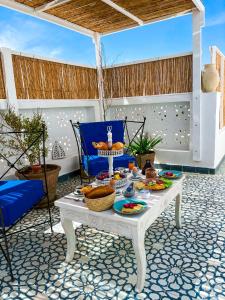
[(169, 120), (59, 127)]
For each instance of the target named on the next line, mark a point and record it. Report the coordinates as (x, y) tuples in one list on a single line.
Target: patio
[(185, 263)]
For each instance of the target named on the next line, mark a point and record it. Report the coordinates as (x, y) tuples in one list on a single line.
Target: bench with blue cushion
[(17, 197), (97, 132)]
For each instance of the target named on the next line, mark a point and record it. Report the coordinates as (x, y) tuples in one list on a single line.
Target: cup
[(131, 164)]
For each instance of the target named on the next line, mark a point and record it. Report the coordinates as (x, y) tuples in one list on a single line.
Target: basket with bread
[(99, 198)]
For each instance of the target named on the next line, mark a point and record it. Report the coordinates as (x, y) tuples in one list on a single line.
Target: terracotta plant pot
[(52, 172), (210, 78), (141, 159), (36, 169)]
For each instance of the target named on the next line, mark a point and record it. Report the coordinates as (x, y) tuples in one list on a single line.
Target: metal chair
[(13, 208), (86, 133)]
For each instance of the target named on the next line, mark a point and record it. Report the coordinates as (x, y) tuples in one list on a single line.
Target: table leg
[(178, 210), (139, 249), (70, 236)]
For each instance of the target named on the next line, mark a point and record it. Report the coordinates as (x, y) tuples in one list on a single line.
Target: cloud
[(216, 20), (27, 36)]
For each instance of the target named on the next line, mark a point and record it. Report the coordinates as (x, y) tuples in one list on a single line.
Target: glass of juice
[(131, 164)]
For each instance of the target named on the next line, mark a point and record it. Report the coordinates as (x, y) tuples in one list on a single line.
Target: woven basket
[(100, 204)]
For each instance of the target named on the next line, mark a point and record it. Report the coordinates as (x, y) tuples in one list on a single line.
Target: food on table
[(170, 174), (131, 207), (140, 185), (105, 146), (118, 175), (100, 192), (117, 146), (153, 184), (112, 183), (100, 145), (86, 189)]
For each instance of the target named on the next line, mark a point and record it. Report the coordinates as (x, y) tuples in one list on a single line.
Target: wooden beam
[(12, 4), (123, 11), (201, 8), (156, 20), (51, 4)]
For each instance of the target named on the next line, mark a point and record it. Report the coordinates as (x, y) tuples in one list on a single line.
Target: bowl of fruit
[(119, 177)]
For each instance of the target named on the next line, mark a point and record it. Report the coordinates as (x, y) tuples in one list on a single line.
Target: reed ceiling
[(100, 17)]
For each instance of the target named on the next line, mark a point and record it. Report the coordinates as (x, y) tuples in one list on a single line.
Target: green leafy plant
[(13, 144), (144, 145)]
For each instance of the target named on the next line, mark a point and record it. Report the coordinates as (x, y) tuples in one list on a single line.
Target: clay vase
[(210, 78)]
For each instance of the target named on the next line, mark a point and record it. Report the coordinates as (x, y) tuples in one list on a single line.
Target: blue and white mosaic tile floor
[(184, 264)]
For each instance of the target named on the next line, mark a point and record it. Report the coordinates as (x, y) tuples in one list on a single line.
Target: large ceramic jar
[(210, 78)]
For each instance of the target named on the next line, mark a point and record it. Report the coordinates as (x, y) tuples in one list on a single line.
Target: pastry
[(100, 192), (100, 145), (117, 146), (86, 189)]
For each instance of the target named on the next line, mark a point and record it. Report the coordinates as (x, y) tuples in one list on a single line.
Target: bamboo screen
[(172, 75), (2, 85), (41, 79)]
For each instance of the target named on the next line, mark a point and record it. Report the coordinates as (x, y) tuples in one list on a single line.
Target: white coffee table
[(132, 227)]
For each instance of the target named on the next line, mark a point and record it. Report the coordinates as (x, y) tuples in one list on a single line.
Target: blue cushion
[(17, 197), (96, 164), (97, 132)]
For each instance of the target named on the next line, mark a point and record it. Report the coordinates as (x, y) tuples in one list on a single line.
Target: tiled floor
[(184, 264)]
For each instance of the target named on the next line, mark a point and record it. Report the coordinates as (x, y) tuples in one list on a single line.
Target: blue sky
[(27, 34)]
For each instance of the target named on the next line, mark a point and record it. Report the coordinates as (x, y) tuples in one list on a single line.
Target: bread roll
[(100, 192)]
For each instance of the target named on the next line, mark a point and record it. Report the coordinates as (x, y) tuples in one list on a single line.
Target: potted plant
[(143, 148), (14, 144)]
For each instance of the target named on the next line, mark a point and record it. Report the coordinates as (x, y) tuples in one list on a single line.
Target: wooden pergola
[(97, 18)]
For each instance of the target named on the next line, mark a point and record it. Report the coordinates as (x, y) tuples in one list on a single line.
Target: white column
[(9, 79), (198, 21), (98, 54)]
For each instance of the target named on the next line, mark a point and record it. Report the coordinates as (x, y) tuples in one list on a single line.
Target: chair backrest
[(97, 132)]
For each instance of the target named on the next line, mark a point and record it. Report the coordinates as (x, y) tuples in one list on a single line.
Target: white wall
[(57, 114), (175, 149)]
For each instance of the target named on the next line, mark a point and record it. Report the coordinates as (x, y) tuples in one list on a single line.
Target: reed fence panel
[(2, 84), (41, 79), (218, 58), (165, 76)]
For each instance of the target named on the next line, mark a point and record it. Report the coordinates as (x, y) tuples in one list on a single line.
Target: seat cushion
[(96, 164), (17, 197), (97, 132)]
